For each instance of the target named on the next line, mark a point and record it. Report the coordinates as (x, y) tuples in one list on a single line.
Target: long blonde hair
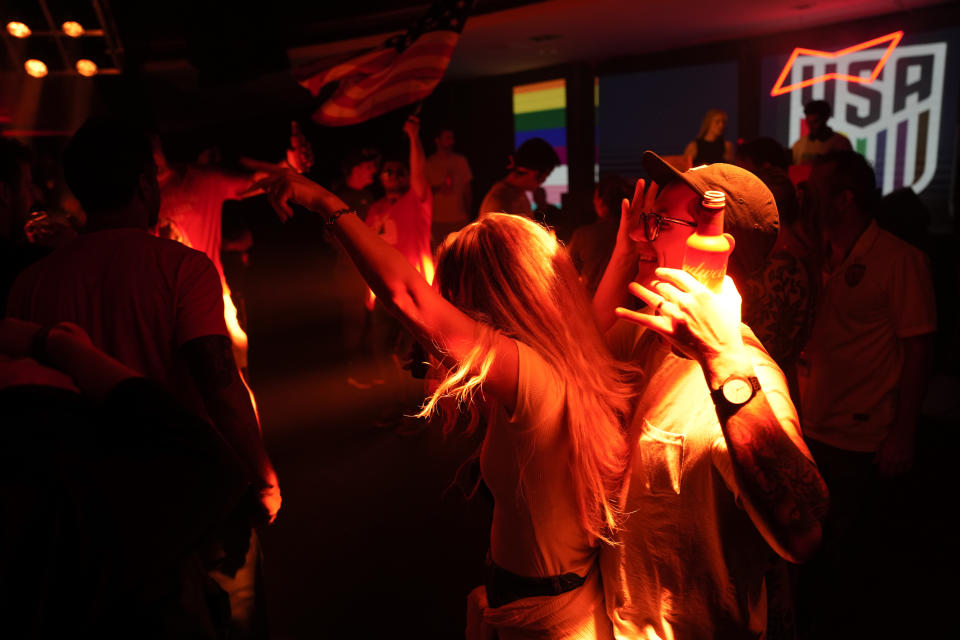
[(512, 276), (708, 120)]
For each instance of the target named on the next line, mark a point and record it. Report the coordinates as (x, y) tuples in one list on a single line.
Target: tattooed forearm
[(781, 483)]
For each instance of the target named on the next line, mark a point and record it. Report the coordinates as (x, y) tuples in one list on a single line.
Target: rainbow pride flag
[(540, 111)]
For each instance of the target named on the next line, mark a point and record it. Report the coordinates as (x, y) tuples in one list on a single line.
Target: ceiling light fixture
[(18, 29), (87, 68), (73, 29), (35, 68)]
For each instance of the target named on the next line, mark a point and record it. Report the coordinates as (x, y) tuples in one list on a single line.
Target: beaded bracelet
[(336, 214)]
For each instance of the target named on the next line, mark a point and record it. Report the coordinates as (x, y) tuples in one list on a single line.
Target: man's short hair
[(762, 151), (536, 154), (13, 157), (103, 163), (850, 171), (819, 107)]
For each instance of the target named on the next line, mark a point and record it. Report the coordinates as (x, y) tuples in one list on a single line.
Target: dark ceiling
[(224, 41), (235, 41)]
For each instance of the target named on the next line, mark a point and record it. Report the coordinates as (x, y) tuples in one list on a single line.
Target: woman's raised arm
[(441, 327)]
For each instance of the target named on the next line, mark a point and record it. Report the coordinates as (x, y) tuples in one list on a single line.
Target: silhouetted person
[(867, 362), (402, 218), (550, 215), (529, 168), (191, 210), (450, 179), (151, 303), (16, 202), (760, 153), (591, 245), (111, 494), (820, 139), (360, 167), (403, 215)]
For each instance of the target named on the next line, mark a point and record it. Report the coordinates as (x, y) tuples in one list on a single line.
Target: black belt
[(503, 587)]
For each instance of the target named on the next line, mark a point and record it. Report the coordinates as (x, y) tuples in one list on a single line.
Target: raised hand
[(702, 324), (300, 153), (412, 127), (631, 239), (49, 230), (284, 188), (630, 233)]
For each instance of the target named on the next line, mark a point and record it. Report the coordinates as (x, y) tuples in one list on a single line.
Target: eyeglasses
[(653, 221)]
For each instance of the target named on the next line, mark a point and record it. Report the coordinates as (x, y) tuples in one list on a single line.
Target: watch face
[(737, 391)]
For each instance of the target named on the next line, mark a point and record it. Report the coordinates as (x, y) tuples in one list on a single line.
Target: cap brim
[(663, 173)]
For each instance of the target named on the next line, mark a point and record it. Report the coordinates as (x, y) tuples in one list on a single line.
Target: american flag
[(404, 70)]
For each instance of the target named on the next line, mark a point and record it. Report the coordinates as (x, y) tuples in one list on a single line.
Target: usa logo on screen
[(893, 120)]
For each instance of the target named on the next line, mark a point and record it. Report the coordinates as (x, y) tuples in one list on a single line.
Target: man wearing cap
[(820, 139), (529, 168), (719, 477)]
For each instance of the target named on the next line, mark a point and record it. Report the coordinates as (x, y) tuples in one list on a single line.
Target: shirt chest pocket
[(661, 454)]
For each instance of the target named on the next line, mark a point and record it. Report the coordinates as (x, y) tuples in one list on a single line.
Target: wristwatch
[(736, 391)]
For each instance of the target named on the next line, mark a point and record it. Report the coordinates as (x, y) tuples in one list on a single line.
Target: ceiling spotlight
[(72, 29), (86, 68), (35, 68), (18, 29)]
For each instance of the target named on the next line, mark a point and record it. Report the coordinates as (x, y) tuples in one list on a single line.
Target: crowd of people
[(658, 451)]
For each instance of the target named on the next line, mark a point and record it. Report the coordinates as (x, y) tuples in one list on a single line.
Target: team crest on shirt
[(854, 274), (893, 121)]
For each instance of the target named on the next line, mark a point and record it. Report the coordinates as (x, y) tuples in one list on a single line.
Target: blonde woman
[(711, 144), (510, 323)]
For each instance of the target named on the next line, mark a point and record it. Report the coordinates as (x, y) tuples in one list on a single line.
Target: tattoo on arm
[(781, 482)]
